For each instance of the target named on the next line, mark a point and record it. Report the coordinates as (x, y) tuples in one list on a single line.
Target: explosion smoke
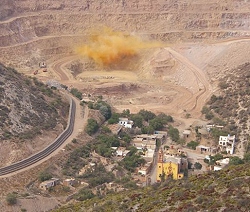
[(107, 47)]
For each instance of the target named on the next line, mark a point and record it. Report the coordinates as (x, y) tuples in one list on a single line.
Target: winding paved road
[(20, 165)]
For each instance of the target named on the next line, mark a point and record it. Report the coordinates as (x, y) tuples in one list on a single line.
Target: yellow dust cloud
[(107, 46)]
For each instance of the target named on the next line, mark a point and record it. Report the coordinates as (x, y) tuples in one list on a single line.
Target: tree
[(216, 133), (105, 111), (189, 165), (11, 199), (162, 176), (84, 194), (209, 116), (193, 144), (138, 120), (125, 137), (132, 160), (105, 130), (174, 133), (114, 118), (214, 158), (197, 165), (165, 118), (74, 140), (98, 176), (217, 157), (147, 130), (126, 113), (205, 110), (109, 140), (156, 123), (92, 127), (147, 115), (76, 93), (90, 105), (213, 99), (44, 176)]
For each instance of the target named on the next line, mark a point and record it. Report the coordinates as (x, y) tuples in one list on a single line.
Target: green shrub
[(147, 115), (197, 165), (74, 141), (114, 118), (76, 93), (92, 127), (193, 144), (235, 161), (43, 176), (11, 199), (84, 194), (105, 111), (174, 133)]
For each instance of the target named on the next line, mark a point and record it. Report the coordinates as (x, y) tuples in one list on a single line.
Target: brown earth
[(201, 41)]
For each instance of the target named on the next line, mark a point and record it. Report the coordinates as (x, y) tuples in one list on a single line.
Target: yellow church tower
[(169, 166)]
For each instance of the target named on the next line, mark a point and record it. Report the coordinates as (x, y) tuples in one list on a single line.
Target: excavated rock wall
[(55, 26)]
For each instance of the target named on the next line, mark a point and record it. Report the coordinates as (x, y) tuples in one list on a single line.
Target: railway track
[(48, 150)]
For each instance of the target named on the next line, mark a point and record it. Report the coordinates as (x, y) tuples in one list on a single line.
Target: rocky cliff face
[(27, 106), (44, 29)]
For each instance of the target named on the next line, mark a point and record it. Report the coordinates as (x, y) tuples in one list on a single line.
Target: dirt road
[(198, 100)]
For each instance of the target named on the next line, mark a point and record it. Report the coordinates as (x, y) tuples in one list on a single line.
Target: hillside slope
[(27, 106), (226, 190)]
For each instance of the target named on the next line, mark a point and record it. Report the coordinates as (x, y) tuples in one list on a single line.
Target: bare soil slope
[(28, 108), (200, 41)]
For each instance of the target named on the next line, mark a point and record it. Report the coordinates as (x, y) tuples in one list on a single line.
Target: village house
[(144, 141), (121, 151), (90, 165), (206, 149), (186, 133), (69, 182), (161, 136), (227, 143), (115, 128), (211, 126), (144, 170), (114, 186), (147, 141), (174, 151), (126, 122), (49, 183)]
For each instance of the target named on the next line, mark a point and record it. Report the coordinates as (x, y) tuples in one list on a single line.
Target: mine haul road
[(20, 165)]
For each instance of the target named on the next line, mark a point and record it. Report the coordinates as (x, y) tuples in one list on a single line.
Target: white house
[(126, 122), (69, 182), (122, 152), (227, 143), (221, 164)]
